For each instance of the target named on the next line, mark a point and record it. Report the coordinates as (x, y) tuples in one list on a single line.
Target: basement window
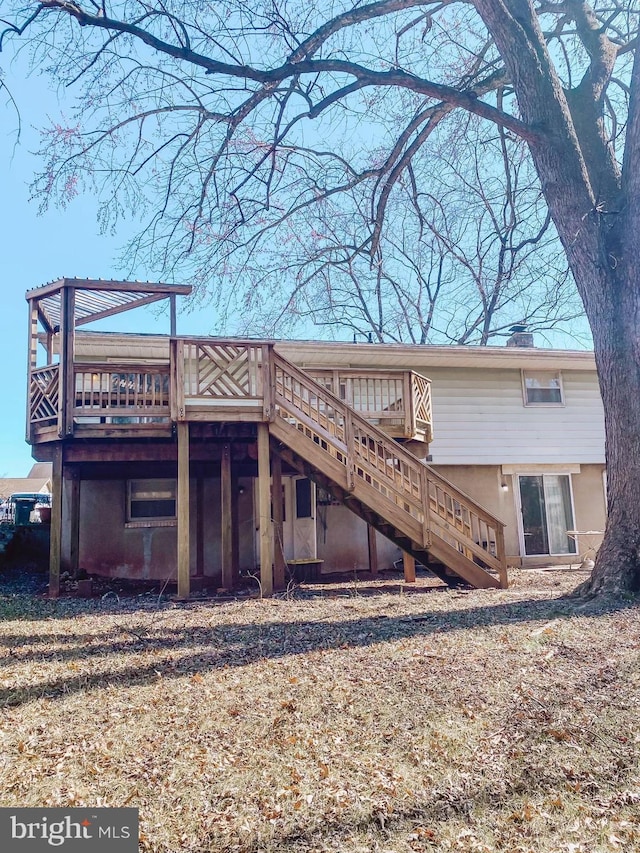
[(151, 502), (542, 388)]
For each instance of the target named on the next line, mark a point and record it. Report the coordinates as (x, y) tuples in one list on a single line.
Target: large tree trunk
[(616, 333)]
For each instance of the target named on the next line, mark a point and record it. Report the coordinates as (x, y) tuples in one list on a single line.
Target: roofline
[(415, 356)]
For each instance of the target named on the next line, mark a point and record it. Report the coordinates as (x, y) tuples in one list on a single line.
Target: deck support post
[(235, 526), (55, 542), (183, 556), (227, 517), (74, 521), (409, 563), (373, 549), (200, 526), (67, 387), (279, 562), (264, 511)]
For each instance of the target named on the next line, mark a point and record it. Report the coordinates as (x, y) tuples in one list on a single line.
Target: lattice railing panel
[(44, 395), (421, 393), (222, 371)]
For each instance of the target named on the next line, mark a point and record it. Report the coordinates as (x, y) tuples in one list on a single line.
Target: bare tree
[(457, 263), (224, 121)]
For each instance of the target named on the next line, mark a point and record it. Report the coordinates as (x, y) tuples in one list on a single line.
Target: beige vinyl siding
[(480, 419)]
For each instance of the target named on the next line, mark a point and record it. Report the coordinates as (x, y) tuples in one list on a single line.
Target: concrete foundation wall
[(109, 547), (342, 542)]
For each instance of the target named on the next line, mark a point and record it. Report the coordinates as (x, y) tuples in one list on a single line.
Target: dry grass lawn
[(350, 717)]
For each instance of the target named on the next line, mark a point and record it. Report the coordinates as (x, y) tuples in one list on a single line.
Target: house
[(200, 458), (519, 429), (37, 483)]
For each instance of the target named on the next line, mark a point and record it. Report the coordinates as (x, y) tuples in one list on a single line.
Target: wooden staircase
[(379, 480)]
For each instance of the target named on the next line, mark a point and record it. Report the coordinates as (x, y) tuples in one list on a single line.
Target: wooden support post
[(373, 549), (227, 517), (409, 563), (501, 554), (55, 546), (280, 565), (183, 560), (74, 521), (200, 509), (32, 360), (172, 314), (235, 528), (268, 383), (67, 386), (409, 406), (264, 511)]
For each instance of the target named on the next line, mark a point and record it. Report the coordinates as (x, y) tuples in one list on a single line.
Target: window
[(547, 514), (151, 501), (304, 503), (542, 388)]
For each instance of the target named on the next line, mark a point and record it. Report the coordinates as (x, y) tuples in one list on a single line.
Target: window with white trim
[(151, 501), (542, 388)]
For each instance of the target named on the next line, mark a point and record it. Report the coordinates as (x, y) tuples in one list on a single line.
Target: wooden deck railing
[(420, 398), (226, 376), (399, 401), (44, 397), (361, 458), (209, 379), (121, 394)]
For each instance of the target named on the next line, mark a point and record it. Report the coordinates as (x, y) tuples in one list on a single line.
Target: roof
[(40, 470), (11, 485), (95, 299)]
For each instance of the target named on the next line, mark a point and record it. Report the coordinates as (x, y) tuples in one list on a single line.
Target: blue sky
[(36, 249)]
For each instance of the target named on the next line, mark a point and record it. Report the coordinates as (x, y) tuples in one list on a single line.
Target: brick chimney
[(520, 337)]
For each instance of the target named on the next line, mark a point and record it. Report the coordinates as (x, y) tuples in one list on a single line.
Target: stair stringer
[(457, 569)]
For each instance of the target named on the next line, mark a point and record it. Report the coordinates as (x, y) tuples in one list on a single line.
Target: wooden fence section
[(362, 459)]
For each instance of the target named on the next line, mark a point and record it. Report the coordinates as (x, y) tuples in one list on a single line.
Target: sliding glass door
[(547, 513)]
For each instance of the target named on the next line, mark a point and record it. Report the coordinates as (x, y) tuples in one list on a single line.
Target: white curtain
[(557, 498)]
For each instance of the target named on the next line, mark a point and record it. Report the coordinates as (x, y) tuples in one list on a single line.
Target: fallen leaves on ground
[(345, 717)]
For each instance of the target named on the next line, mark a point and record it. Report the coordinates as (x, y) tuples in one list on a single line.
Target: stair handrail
[(432, 477)]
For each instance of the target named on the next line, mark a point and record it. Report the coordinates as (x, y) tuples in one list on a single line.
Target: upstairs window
[(542, 388)]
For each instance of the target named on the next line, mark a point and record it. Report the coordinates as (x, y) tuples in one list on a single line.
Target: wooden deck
[(207, 380), (342, 428)]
